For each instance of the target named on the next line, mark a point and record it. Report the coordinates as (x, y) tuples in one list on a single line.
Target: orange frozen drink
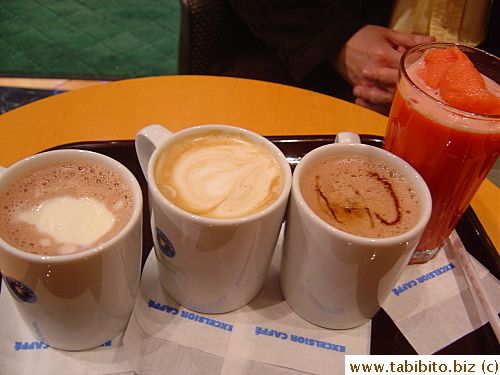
[(445, 122)]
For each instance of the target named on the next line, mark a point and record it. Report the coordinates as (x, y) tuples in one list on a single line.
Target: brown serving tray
[(386, 337)]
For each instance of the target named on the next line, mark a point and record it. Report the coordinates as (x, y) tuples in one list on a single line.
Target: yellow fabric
[(455, 21)]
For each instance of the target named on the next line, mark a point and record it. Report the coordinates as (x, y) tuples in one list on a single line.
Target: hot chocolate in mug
[(71, 245), (355, 215)]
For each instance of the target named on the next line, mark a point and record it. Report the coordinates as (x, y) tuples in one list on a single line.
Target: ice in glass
[(445, 122)]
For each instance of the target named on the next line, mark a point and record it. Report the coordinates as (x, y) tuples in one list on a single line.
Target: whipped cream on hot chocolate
[(78, 221), (64, 208)]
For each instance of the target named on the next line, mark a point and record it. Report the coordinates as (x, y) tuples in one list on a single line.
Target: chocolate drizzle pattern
[(361, 196)]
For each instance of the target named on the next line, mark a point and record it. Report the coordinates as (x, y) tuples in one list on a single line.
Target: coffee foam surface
[(361, 196), (219, 176), (64, 207)]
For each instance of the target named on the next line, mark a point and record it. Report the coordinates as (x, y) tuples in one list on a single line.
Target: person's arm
[(304, 33)]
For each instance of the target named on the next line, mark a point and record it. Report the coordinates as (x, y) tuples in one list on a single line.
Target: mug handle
[(147, 140), (347, 138)]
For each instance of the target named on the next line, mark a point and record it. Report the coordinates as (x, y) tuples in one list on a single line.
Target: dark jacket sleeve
[(302, 33)]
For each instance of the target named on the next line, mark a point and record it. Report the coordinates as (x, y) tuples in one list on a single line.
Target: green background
[(88, 38)]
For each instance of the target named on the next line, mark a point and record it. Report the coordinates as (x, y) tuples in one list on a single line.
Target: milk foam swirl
[(219, 176)]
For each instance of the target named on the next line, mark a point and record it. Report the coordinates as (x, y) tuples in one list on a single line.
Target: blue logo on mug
[(20, 290), (166, 246)]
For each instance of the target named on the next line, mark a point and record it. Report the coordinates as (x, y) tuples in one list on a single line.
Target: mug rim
[(54, 156), (404, 167), (261, 140)]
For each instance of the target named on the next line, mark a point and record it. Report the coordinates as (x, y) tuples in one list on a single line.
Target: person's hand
[(369, 61), (378, 92)]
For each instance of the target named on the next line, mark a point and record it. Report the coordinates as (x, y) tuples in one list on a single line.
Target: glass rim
[(446, 106)]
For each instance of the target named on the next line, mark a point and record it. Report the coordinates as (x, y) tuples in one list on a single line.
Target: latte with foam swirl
[(219, 175)]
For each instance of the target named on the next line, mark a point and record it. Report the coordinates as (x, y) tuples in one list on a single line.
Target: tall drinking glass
[(453, 150)]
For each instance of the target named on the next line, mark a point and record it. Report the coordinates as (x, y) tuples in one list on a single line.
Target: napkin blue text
[(191, 316), (422, 279), (18, 345), (299, 339)]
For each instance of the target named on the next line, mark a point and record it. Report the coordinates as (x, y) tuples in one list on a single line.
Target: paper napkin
[(20, 353), (432, 304), (266, 334)]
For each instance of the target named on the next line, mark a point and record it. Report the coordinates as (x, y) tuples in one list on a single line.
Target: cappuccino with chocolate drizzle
[(361, 196)]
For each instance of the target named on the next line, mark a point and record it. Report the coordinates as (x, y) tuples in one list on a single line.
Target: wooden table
[(116, 111)]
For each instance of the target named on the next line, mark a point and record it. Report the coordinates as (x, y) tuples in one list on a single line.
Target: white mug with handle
[(332, 278), (81, 300), (207, 264)]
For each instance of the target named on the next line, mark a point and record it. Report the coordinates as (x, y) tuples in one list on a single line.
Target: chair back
[(208, 28)]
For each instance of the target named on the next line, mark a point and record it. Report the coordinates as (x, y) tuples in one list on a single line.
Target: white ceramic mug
[(210, 265), (76, 301), (332, 278)]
